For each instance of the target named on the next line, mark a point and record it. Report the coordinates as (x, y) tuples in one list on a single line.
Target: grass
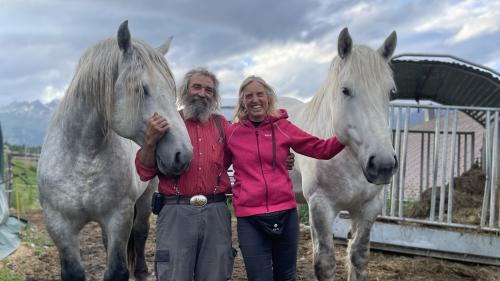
[(37, 240), (25, 192), (303, 213), (7, 275)]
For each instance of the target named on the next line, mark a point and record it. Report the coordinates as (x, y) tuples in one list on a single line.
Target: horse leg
[(321, 217), (104, 238), (140, 232), (64, 232), (117, 228), (359, 245)]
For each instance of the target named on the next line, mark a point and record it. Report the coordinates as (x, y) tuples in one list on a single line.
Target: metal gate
[(432, 156)]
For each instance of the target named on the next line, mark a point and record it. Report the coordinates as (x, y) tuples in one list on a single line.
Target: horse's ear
[(387, 49), (124, 42), (163, 49), (344, 43)]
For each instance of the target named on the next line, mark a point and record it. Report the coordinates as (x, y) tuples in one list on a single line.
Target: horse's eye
[(145, 89), (345, 91)]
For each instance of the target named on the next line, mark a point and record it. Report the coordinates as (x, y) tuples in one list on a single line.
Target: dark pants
[(269, 258), (194, 243)]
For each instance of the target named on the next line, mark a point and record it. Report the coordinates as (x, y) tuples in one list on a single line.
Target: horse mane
[(96, 74), (364, 65)]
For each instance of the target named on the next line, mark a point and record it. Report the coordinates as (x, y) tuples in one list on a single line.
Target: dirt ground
[(44, 265)]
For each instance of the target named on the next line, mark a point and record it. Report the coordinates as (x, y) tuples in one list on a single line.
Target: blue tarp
[(9, 226), (10, 236)]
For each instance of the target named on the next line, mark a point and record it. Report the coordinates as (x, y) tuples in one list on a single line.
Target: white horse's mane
[(96, 74), (363, 65)]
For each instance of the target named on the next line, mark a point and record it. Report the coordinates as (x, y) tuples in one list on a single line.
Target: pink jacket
[(259, 188)]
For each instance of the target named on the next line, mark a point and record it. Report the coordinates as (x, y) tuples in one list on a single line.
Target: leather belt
[(195, 200)]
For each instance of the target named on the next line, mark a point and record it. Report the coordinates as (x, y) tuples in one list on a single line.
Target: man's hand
[(157, 127), (290, 161)]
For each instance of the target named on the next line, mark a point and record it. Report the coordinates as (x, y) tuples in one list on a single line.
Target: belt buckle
[(198, 200)]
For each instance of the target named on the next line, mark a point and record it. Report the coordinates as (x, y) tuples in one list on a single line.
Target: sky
[(289, 43)]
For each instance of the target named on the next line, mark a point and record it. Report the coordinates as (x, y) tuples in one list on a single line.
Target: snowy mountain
[(26, 122)]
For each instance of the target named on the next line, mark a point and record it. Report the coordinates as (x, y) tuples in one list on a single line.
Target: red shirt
[(206, 166)]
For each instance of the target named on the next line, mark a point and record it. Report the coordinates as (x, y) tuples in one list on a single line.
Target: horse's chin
[(172, 171), (377, 181)]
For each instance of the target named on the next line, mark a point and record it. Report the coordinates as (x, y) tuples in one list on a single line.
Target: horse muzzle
[(379, 170), (176, 164)]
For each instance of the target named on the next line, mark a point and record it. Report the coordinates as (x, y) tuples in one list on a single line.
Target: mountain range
[(26, 122)]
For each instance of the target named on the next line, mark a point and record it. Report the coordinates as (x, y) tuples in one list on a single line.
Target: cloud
[(51, 93), (467, 20), (295, 69), (289, 43)]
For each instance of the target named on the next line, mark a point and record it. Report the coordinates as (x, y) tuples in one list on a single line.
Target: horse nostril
[(177, 158), (371, 165), (396, 163)]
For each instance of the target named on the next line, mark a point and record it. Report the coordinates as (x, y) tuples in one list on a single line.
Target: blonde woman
[(258, 143)]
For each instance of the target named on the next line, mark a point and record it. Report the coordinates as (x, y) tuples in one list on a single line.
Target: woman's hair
[(241, 111)]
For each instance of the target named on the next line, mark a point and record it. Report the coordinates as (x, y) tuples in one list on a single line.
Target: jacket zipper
[(261, 168)]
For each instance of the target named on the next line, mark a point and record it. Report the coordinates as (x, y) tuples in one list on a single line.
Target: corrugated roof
[(447, 80)]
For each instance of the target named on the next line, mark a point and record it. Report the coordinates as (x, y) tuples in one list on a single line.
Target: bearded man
[(193, 232)]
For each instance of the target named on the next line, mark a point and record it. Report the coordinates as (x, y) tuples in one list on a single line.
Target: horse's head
[(144, 86), (361, 107)]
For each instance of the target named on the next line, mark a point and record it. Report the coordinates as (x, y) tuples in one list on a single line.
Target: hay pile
[(467, 199)]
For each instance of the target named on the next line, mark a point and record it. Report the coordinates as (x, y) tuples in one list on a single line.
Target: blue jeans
[(269, 258)]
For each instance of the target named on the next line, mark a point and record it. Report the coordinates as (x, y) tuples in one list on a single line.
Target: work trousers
[(194, 243), (268, 257)]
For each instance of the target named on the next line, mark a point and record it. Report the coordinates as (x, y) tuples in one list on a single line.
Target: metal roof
[(447, 80)]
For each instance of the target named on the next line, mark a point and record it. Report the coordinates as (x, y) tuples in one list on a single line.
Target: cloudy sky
[(290, 43)]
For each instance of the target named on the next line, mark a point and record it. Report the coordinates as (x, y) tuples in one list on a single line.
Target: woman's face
[(255, 101)]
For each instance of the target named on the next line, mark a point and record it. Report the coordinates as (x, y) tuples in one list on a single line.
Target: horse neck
[(82, 125)]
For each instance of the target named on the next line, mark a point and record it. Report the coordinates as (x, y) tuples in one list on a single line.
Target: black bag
[(272, 223), (156, 203)]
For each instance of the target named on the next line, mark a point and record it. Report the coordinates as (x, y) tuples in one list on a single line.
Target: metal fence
[(444, 154), (434, 154)]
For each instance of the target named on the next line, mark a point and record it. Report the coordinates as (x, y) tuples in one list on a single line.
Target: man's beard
[(197, 108)]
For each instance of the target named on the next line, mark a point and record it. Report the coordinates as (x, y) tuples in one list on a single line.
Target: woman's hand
[(290, 160)]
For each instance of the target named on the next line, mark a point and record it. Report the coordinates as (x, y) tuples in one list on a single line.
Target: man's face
[(202, 86), (200, 101)]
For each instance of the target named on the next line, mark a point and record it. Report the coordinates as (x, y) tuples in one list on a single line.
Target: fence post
[(435, 167)]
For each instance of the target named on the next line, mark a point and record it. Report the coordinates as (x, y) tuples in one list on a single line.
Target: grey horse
[(86, 169)]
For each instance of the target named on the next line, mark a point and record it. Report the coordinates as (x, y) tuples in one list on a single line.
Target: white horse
[(353, 104), (86, 169)]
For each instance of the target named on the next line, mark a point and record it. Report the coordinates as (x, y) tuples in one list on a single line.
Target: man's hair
[(184, 87), (241, 112)]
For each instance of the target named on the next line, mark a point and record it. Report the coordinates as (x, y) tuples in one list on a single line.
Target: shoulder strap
[(218, 123), (274, 145)]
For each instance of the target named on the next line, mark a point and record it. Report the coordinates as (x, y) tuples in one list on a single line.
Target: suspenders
[(218, 123)]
